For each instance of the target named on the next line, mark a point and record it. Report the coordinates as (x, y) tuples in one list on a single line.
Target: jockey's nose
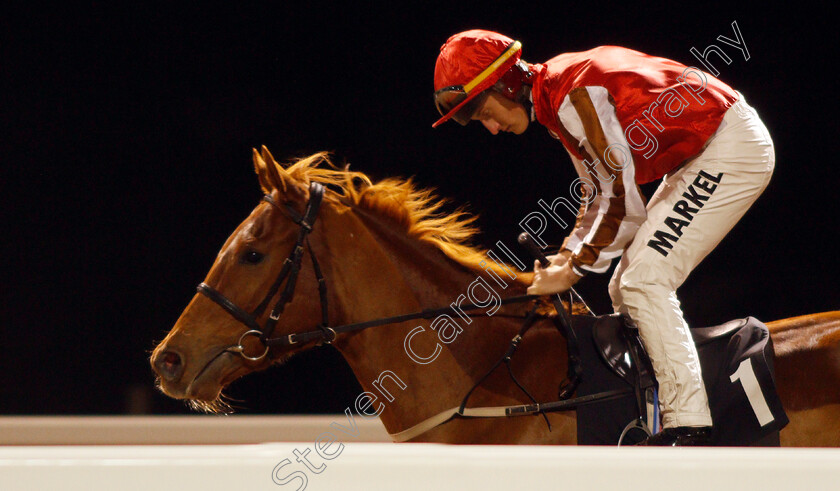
[(168, 365), (492, 125)]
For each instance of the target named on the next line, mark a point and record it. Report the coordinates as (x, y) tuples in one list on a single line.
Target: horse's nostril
[(169, 365), (171, 361)]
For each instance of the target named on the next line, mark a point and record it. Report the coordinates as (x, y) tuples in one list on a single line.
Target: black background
[(126, 140)]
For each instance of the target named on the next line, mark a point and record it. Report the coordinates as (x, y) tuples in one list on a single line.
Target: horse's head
[(262, 300), (208, 347)]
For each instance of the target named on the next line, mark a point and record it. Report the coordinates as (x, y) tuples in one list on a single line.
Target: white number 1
[(746, 375)]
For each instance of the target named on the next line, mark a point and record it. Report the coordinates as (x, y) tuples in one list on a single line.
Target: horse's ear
[(262, 172), (266, 156), (273, 177)]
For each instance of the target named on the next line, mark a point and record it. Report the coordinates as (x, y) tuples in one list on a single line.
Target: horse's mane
[(418, 210)]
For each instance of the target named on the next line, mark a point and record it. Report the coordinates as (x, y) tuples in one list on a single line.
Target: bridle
[(324, 334), (289, 274)]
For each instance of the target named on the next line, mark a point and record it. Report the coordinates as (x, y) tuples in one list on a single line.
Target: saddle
[(617, 341), (737, 363)]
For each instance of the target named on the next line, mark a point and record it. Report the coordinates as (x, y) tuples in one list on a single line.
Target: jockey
[(627, 118)]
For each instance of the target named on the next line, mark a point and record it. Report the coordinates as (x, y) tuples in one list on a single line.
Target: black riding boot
[(681, 436)]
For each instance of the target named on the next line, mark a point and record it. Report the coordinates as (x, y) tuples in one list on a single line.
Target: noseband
[(289, 274)]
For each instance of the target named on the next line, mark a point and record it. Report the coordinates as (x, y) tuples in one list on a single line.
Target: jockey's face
[(498, 113)]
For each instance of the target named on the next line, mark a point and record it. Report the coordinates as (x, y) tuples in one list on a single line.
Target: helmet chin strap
[(524, 98)]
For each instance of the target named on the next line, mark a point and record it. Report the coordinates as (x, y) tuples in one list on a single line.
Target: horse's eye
[(252, 257)]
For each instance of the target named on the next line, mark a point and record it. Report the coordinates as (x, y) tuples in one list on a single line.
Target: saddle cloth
[(737, 362)]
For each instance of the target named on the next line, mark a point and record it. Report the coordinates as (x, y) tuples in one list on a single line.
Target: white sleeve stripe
[(633, 213)]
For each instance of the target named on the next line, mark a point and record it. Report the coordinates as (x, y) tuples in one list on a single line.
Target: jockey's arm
[(608, 220)]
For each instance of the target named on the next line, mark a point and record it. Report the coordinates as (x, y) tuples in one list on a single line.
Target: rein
[(324, 334)]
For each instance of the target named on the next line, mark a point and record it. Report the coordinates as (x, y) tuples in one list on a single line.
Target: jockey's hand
[(556, 278)]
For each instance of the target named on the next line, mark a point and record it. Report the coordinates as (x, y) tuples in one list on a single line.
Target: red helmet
[(471, 62)]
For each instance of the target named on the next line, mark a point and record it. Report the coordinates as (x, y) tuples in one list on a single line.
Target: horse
[(384, 249)]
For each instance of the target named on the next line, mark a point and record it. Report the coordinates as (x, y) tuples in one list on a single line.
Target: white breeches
[(691, 211)]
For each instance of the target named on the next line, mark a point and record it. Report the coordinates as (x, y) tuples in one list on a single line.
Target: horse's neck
[(376, 272)]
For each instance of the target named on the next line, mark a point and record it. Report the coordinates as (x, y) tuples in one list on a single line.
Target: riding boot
[(681, 436)]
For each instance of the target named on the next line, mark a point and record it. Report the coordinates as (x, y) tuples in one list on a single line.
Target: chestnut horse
[(385, 249)]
